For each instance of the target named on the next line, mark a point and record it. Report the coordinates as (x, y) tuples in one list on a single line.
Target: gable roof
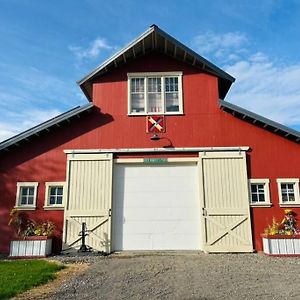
[(260, 121), (156, 39), (45, 126)]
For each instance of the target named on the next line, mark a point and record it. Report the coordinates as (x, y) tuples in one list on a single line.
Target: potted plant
[(32, 239), (282, 239)]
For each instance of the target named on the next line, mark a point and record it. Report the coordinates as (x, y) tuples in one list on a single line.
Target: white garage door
[(156, 207)]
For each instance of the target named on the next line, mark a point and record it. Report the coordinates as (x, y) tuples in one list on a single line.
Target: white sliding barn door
[(225, 202), (89, 196)]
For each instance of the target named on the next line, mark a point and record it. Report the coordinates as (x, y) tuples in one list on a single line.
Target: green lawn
[(17, 276)]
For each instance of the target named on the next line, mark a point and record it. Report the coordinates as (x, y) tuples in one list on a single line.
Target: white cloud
[(93, 50), (263, 84), (20, 121), (219, 45), (266, 88), (6, 131), (29, 96)]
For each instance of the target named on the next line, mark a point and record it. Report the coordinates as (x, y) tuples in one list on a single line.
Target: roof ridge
[(143, 44)]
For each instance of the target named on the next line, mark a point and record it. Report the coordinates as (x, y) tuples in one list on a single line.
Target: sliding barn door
[(225, 202), (89, 196)]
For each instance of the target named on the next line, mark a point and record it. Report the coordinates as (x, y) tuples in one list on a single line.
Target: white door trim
[(154, 150)]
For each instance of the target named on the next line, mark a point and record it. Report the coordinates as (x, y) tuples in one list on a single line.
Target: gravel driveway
[(185, 276)]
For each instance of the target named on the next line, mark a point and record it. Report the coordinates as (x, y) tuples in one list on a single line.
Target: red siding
[(203, 124)]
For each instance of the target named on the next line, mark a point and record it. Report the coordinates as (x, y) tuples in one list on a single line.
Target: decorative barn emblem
[(155, 124)]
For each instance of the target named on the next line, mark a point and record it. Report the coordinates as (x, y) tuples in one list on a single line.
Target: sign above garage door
[(155, 160)]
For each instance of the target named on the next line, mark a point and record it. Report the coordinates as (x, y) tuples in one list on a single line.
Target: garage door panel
[(163, 214), (148, 186), (159, 199), (157, 242), (162, 227), (151, 171), (162, 242), (144, 242), (156, 207)]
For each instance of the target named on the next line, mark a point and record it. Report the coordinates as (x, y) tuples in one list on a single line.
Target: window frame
[(295, 183), (21, 185), (48, 185), (162, 75), (265, 182)]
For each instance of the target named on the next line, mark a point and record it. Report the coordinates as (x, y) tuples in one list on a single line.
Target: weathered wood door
[(89, 196), (225, 202)]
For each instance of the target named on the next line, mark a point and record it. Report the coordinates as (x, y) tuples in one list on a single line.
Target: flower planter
[(29, 247), (281, 245)]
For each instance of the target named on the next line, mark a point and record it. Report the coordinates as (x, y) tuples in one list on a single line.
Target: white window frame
[(18, 195), (295, 182), (48, 185), (162, 75), (265, 182)]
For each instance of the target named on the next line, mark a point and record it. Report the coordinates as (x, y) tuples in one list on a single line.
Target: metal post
[(83, 247)]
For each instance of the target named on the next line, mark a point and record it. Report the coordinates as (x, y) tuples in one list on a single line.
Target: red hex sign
[(155, 124)]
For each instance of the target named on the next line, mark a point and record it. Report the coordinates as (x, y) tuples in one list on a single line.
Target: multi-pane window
[(137, 93), (54, 195), (26, 194), (259, 192), (155, 93), (288, 190), (172, 94)]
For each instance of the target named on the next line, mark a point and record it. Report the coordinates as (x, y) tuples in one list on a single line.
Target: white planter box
[(281, 245), (31, 247)]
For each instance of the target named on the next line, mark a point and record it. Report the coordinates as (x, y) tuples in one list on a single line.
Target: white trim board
[(153, 150)]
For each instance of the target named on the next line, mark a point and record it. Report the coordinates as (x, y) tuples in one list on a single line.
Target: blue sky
[(46, 46)]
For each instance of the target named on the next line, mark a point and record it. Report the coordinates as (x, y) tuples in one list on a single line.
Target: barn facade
[(157, 160)]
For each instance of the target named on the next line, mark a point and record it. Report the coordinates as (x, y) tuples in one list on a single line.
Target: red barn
[(157, 160)]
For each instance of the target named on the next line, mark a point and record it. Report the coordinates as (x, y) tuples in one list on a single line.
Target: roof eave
[(45, 126), (265, 123)]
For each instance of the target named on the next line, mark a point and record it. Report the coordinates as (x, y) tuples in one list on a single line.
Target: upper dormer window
[(155, 93)]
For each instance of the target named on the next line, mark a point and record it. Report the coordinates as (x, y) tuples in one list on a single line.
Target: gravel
[(182, 276)]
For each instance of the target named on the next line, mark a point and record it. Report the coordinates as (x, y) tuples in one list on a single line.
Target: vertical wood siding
[(225, 202)]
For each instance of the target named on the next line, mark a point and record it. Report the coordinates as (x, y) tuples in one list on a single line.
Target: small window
[(54, 195), (259, 192), (288, 190), (155, 93), (26, 195), (137, 95)]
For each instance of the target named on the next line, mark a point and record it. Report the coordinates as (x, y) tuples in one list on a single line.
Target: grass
[(17, 276)]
